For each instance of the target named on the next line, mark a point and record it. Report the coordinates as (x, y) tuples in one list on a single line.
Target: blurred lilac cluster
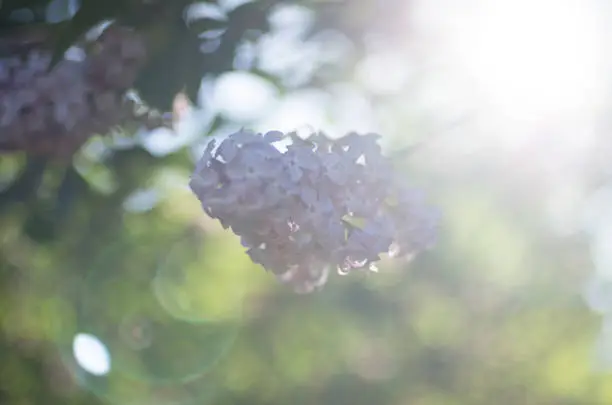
[(55, 112), (305, 206)]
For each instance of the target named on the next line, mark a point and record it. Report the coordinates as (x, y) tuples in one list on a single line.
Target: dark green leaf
[(176, 68), (40, 225), (91, 13), (217, 123), (252, 16), (8, 6), (26, 185), (201, 25)]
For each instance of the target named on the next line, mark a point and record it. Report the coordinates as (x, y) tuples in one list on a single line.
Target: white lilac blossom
[(321, 205)]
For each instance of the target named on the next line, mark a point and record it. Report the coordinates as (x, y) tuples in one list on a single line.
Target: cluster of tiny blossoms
[(54, 112), (303, 207)]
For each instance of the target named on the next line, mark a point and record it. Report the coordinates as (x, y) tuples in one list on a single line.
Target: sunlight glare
[(530, 61), (530, 58)]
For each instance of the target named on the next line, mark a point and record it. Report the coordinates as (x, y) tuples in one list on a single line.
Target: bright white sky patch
[(527, 58), (242, 96), (91, 354), (397, 72), (304, 108)]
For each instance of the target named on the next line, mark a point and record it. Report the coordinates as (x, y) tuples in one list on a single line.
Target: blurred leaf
[(204, 17), (217, 123), (26, 184), (71, 187), (8, 6), (90, 13), (275, 80), (40, 225), (202, 25), (60, 10), (176, 67), (252, 15)]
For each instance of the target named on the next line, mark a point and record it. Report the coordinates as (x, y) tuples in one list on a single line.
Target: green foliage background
[(492, 315)]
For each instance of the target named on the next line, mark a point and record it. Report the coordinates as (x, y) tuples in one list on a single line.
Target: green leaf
[(40, 225), (177, 67), (252, 16), (201, 25), (91, 13), (217, 123), (8, 6)]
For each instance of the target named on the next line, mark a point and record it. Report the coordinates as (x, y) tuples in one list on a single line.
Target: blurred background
[(116, 287)]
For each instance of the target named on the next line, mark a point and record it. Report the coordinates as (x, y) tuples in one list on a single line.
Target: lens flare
[(91, 354), (155, 357), (189, 292)]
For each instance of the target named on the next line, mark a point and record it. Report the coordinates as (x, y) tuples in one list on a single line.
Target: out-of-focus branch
[(26, 184)]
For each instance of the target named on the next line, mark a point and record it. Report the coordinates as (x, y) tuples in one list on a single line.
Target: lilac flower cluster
[(321, 204), (53, 113)]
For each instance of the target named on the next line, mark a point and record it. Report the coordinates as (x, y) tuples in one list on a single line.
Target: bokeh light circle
[(91, 354), (187, 291), (126, 347), (116, 387)]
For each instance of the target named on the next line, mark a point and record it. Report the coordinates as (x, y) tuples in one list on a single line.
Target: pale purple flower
[(321, 204), (228, 149), (299, 159), (68, 103)]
